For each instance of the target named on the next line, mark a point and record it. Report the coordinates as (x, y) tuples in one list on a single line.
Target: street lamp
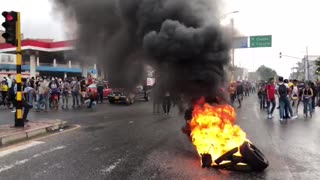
[(232, 35), (226, 14)]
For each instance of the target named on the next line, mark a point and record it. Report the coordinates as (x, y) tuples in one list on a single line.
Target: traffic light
[(280, 54), (10, 24)]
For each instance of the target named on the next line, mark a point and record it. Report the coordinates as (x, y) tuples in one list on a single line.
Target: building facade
[(306, 68), (46, 58)]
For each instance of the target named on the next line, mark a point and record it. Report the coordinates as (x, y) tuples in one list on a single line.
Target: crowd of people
[(239, 89), (46, 93), (291, 94)]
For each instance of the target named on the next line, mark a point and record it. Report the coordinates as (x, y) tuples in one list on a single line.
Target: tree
[(318, 66), (265, 73)]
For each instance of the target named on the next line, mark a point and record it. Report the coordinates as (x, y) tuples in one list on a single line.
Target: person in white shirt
[(295, 96), (9, 81), (43, 94)]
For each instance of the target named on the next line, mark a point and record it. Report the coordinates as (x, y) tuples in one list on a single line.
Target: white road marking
[(17, 163), (130, 122), (19, 148), (111, 167)]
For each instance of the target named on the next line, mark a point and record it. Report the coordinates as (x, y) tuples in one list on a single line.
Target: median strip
[(10, 134)]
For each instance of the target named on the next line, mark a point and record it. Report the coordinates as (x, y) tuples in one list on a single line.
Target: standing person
[(9, 81), (100, 88), (12, 95), (156, 99), (262, 93), (65, 89), (83, 88), (54, 92), (166, 102), (255, 87), (282, 90), (295, 96), (4, 92), (307, 100), (313, 98), (232, 92), (240, 90), (271, 99), (29, 93), (43, 95), (25, 105), (75, 91), (288, 107), (318, 95)]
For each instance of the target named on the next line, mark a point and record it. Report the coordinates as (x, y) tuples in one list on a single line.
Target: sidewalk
[(10, 134), (7, 117)]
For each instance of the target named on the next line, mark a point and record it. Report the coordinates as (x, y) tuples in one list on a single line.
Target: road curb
[(27, 134)]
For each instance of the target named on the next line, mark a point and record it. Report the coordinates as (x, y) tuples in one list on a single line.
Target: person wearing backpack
[(75, 92), (283, 91)]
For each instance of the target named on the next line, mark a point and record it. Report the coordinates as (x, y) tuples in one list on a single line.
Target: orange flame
[(213, 132)]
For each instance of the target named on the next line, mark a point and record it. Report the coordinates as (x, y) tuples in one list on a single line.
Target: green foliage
[(318, 66), (265, 73)]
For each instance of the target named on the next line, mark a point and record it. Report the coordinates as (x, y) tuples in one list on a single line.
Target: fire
[(213, 131)]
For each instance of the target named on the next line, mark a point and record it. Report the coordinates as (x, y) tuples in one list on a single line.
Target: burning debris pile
[(215, 136), (185, 43)]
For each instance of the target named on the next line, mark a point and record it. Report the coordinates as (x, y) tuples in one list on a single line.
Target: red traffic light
[(10, 16)]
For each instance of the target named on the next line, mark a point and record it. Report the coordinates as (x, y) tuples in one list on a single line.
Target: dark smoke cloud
[(181, 39)]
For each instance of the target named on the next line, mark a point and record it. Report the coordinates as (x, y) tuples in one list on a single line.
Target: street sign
[(260, 41), (240, 42)]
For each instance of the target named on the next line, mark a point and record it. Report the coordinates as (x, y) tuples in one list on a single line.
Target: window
[(4, 58), (11, 59)]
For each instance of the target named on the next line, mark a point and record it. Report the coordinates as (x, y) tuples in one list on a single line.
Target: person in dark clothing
[(32, 82), (262, 94), (240, 90), (100, 87), (25, 105), (166, 102), (83, 88), (313, 98), (247, 89)]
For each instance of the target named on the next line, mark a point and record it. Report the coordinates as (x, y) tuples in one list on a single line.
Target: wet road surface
[(128, 142)]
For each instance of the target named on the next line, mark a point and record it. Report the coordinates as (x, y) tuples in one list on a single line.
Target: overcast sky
[(293, 25)]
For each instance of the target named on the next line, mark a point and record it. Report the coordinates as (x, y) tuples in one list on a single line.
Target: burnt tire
[(253, 157)]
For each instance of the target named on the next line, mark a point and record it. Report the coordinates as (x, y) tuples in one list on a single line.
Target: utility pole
[(307, 65), (12, 35), (232, 36)]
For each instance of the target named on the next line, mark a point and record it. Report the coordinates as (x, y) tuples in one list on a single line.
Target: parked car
[(93, 88), (121, 95)]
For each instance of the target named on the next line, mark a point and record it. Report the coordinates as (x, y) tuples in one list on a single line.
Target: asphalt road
[(128, 142)]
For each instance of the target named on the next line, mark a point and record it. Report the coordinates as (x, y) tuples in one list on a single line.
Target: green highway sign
[(260, 41)]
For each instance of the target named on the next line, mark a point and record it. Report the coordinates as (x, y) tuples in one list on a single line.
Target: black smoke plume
[(181, 39)]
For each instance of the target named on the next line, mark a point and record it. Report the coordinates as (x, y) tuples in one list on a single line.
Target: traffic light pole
[(19, 122)]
